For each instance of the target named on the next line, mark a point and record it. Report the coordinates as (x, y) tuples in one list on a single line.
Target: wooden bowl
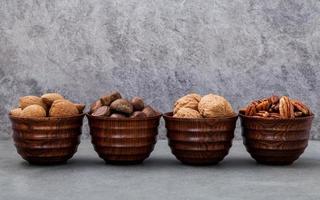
[(123, 141), (275, 141), (46, 141), (200, 141)]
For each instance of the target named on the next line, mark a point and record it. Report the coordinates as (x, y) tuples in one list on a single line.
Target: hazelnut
[(94, 106), (138, 114), (102, 111), (149, 111), (117, 115), (122, 106), (109, 98), (137, 103)]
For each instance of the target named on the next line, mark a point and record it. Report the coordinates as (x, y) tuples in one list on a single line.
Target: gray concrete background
[(160, 50)]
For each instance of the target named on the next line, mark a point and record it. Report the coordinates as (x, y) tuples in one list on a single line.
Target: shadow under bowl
[(275, 141), (200, 141), (123, 141), (47, 141)]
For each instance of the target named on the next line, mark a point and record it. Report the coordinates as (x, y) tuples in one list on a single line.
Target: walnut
[(189, 101), (214, 106), (187, 113)]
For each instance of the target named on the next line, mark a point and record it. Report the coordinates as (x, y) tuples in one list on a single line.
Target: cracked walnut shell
[(189, 101), (214, 106), (187, 113)]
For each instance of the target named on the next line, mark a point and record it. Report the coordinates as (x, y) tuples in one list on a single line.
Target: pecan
[(262, 114), (251, 109), (274, 108), (274, 99), (286, 108), (263, 105), (298, 105), (298, 114), (274, 115)]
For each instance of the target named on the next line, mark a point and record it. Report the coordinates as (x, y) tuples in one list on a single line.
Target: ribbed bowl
[(46, 141), (123, 141), (200, 141), (275, 141)]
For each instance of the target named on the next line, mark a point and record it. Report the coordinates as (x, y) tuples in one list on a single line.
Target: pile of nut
[(114, 106), (48, 105), (195, 106), (277, 107)]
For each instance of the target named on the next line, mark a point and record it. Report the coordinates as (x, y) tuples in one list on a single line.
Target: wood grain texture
[(47, 141), (275, 141), (125, 140), (200, 141)]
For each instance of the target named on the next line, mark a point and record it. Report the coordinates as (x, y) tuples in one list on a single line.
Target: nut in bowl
[(123, 131), (45, 133), (200, 132), (275, 130)]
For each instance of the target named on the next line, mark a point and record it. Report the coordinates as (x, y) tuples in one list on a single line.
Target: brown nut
[(95, 105), (251, 109), (263, 105), (274, 99), (187, 113), (80, 107), (286, 108), (137, 103), (31, 100), (102, 111), (150, 112), (298, 105), (118, 115), (49, 98), (122, 106), (16, 112), (189, 101), (138, 114), (214, 106), (33, 111), (109, 98), (298, 114), (274, 115), (62, 108), (262, 114)]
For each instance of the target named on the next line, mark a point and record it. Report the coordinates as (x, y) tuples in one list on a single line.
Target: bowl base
[(123, 162)]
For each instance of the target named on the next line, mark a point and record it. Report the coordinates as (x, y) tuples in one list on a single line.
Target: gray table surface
[(160, 177)]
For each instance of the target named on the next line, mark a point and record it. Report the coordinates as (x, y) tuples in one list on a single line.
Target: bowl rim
[(44, 119), (241, 115), (168, 115), (89, 116)]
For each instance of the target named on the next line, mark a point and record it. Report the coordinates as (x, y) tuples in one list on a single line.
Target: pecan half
[(286, 108), (274, 115), (274, 99), (251, 109), (263, 105), (274, 108), (262, 114), (298, 105), (298, 114)]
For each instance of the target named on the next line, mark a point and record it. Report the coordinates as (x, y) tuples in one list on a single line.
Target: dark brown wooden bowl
[(200, 141), (275, 141), (123, 141), (48, 140)]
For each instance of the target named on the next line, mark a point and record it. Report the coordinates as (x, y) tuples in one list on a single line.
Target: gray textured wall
[(160, 50)]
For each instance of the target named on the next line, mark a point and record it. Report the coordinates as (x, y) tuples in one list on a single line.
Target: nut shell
[(31, 100), (149, 111), (109, 98), (138, 114), (122, 106), (187, 113), (214, 106), (137, 103), (118, 115), (62, 108), (33, 111), (102, 111), (16, 112), (49, 98), (95, 105), (189, 101)]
